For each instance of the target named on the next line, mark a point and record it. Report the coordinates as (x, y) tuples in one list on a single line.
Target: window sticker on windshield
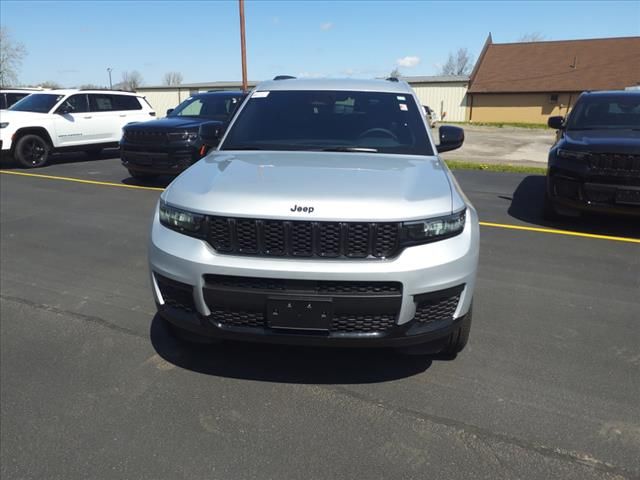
[(260, 94), (403, 107), (400, 97)]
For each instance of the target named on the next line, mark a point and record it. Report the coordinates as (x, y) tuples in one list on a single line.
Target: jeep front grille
[(278, 238), (146, 137), (614, 164)]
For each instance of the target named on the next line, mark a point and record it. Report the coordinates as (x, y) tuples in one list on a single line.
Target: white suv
[(59, 120)]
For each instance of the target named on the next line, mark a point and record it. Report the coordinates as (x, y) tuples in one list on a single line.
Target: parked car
[(170, 145), (594, 165), (67, 120), (324, 217), (11, 95)]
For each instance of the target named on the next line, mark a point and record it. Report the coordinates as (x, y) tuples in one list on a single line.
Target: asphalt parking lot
[(92, 386)]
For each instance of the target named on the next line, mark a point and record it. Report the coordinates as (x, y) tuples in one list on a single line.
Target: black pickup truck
[(170, 145), (595, 164)]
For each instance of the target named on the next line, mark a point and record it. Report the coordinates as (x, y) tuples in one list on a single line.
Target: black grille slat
[(303, 239), (273, 238), (329, 236), (220, 234), (247, 236), (386, 239)]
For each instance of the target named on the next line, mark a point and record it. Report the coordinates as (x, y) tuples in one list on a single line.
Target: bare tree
[(90, 86), (49, 84), (531, 37), (172, 78), (459, 64), (395, 73), (131, 80), (11, 55)]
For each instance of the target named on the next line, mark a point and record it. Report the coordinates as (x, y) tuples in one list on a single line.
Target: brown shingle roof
[(564, 66)]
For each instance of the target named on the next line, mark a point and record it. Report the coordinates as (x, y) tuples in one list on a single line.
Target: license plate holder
[(628, 197), (299, 313)]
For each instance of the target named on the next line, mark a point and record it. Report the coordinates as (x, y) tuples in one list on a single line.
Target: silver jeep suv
[(324, 217)]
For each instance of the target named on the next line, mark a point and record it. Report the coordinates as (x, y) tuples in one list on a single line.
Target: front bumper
[(159, 160), (426, 275), (578, 187)]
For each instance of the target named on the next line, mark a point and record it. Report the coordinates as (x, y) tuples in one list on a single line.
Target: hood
[(605, 140), (328, 186), (170, 123)]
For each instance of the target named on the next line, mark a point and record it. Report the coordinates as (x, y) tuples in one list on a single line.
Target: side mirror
[(64, 109), (210, 133), (556, 122), (450, 138), (169, 110)]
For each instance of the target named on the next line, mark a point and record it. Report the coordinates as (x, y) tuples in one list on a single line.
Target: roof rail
[(284, 77), (392, 79), (106, 90)]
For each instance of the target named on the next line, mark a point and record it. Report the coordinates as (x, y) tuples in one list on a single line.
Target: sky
[(74, 42)]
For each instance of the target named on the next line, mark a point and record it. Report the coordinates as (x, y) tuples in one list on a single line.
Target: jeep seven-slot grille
[(616, 164), (147, 137), (280, 238)]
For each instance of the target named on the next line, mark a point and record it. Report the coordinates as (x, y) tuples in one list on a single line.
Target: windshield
[(215, 107), (37, 102), (330, 120), (620, 111)]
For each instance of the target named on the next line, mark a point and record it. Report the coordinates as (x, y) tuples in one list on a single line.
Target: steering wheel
[(389, 133)]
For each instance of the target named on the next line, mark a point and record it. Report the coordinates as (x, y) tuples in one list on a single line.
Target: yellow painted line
[(80, 180), (560, 232), (552, 231)]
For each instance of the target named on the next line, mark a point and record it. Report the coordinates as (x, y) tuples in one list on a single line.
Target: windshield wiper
[(349, 149)]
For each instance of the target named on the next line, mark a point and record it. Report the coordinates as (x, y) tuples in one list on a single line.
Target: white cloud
[(408, 61), (326, 26)]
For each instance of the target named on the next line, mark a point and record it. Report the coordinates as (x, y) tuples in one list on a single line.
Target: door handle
[(87, 117)]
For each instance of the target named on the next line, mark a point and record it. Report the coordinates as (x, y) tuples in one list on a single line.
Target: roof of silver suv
[(336, 84)]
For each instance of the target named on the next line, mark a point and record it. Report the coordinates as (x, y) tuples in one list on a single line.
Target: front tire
[(32, 151)]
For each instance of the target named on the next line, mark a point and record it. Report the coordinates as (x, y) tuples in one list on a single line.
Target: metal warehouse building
[(446, 95)]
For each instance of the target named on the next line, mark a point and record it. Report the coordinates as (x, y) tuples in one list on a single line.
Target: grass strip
[(494, 167)]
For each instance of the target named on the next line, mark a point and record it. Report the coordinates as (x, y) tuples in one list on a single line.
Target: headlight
[(4, 124), (181, 220), (572, 154), (432, 229), (185, 136)]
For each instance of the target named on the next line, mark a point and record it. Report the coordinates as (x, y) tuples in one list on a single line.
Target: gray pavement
[(506, 145), (92, 385)]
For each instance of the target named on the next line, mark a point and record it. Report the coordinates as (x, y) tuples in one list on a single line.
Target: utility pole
[(243, 46), (110, 84)]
